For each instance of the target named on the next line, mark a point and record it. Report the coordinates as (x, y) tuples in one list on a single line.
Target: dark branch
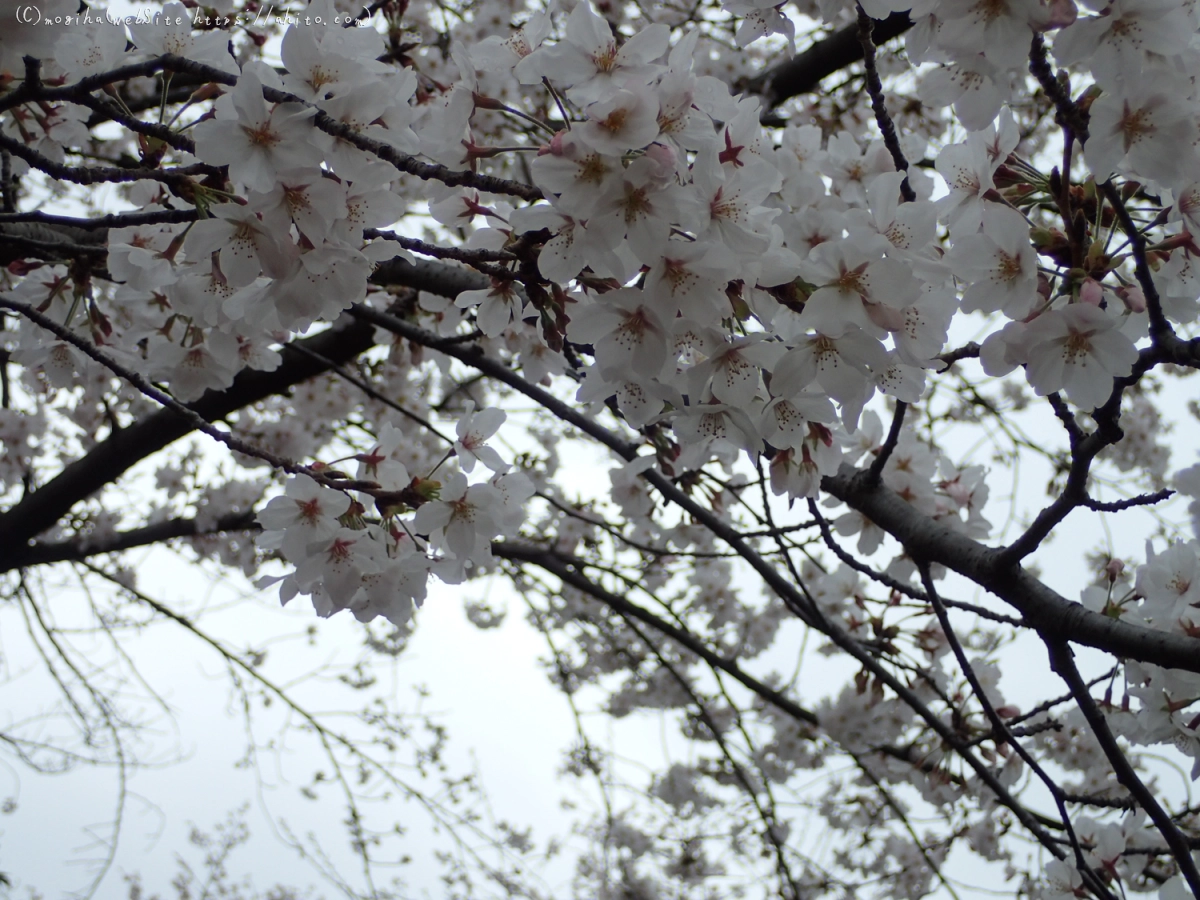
[(1129, 503), (866, 38), (82, 548), (569, 571), (1043, 608), (803, 73), (1063, 662)]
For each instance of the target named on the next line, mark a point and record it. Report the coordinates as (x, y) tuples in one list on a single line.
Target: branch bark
[(83, 548), (802, 74), (1054, 616)]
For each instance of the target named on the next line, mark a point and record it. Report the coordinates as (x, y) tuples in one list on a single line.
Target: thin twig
[(875, 470), (193, 418), (866, 28), (1063, 662), (1001, 730)]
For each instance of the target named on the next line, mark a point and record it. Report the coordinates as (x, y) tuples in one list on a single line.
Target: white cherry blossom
[(998, 265), (1079, 349), (175, 34), (306, 512), (623, 330), (255, 141), (623, 121), (1144, 126), (590, 61), (473, 431), (463, 519)]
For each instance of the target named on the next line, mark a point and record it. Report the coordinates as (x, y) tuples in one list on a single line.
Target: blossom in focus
[(255, 141), (473, 430), (1079, 349), (591, 63)]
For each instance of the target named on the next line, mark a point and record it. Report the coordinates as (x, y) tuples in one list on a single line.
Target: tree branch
[(569, 571), (82, 548), (1063, 662), (803, 73), (109, 460), (1043, 608), (866, 38)]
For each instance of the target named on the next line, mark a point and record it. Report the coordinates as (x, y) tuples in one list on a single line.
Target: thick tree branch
[(1063, 662), (168, 402), (1050, 613), (82, 548), (803, 73), (102, 223)]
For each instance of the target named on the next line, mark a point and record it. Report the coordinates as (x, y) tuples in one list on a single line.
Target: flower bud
[(1006, 176), (426, 488), (1114, 568), (555, 147), (666, 159), (1059, 14), (1133, 298), (482, 102)]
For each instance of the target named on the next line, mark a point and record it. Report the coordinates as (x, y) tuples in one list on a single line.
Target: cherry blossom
[(256, 142), (174, 34), (473, 430), (999, 265), (1079, 349), (463, 519), (1119, 40), (639, 208), (973, 85), (498, 306), (305, 513), (968, 174), (727, 208), (581, 177), (1142, 125), (854, 288), (624, 121), (499, 53), (589, 60), (625, 330), (243, 243)]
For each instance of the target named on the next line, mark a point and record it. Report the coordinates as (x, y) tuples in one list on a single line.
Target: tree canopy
[(722, 332)]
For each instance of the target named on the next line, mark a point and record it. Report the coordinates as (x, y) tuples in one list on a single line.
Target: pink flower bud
[(1114, 569), (1133, 298), (1090, 292), (666, 158), (555, 147), (1060, 13)]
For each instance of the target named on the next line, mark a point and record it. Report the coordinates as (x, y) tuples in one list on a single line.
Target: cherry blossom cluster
[(635, 232), (380, 568)]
